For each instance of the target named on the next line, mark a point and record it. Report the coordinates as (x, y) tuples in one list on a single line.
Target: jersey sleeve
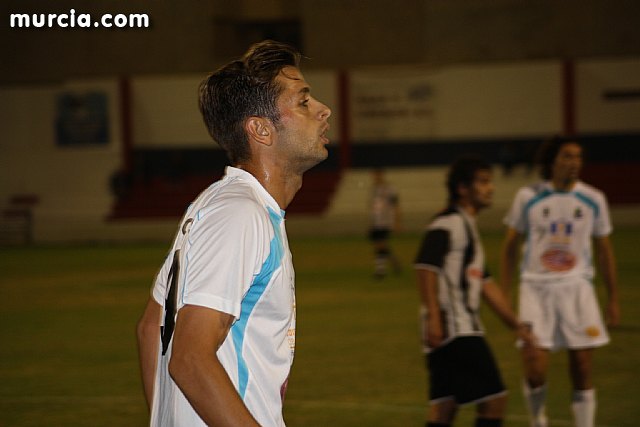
[(433, 250), (228, 245), (602, 225), (159, 289)]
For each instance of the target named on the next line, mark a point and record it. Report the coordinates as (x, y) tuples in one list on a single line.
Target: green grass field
[(68, 353)]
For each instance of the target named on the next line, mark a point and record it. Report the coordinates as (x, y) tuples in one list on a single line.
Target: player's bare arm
[(397, 226), (607, 267), (148, 332), (509, 260), (428, 287), (496, 299), (196, 369)]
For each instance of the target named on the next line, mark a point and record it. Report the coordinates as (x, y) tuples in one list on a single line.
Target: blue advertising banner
[(82, 119)]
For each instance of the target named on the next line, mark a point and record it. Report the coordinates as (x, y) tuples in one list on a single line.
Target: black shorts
[(463, 370), (379, 234)]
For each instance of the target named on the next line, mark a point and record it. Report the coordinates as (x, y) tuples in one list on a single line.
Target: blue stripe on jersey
[(256, 290), (544, 194), (586, 199), (525, 212)]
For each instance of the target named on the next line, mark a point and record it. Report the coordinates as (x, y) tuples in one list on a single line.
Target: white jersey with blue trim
[(558, 226), (231, 254)]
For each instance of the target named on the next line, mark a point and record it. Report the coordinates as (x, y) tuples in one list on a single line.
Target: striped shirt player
[(250, 277), (384, 201), (385, 217), (462, 367), (557, 261)]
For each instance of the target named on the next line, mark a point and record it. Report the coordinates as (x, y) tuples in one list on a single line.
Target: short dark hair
[(547, 153), (463, 172), (241, 89)]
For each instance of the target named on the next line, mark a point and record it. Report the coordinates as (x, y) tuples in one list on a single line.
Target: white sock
[(583, 406), (535, 398)]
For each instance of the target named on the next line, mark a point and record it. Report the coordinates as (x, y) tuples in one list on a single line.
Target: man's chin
[(313, 161)]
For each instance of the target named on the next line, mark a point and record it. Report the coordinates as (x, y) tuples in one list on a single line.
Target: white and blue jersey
[(231, 254), (559, 226)]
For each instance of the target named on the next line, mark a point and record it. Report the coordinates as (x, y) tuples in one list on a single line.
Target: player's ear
[(259, 130)]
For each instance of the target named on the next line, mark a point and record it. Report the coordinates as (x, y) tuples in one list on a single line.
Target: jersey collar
[(242, 174)]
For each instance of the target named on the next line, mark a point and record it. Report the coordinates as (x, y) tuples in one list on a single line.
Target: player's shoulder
[(449, 218), (231, 201), (534, 190), (588, 189), (590, 195), (530, 194)]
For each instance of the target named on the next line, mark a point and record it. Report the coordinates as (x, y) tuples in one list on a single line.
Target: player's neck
[(281, 185), (563, 184), (469, 208)]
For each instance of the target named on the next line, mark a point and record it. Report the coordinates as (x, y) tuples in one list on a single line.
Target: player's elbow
[(183, 366), (148, 327), (180, 366), (146, 331)]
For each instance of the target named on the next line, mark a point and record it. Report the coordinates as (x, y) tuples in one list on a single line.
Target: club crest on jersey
[(545, 212), (577, 214)]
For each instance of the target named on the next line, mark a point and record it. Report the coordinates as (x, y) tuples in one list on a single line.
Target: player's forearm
[(428, 288), (148, 342), (148, 334), (607, 266), (508, 262), (500, 305), (207, 386), (433, 332)]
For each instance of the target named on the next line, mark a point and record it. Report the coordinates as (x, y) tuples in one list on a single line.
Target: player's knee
[(442, 412), (493, 409)]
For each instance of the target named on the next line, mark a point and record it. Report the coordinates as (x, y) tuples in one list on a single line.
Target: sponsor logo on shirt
[(558, 260), (558, 257)]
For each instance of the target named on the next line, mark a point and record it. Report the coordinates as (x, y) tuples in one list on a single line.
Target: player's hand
[(434, 340), (525, 335), (433, 335), (612, 314)]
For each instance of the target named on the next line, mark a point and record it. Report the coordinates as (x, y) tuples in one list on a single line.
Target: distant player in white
[(452, 279), (385, 218), (217, 337), (558, 219)]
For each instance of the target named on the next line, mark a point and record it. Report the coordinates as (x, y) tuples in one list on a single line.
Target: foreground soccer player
[(452, 278), (559, 217), (217, 337)]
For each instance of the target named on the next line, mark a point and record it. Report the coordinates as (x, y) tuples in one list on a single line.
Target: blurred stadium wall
[(118, 159), (100, 137)]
